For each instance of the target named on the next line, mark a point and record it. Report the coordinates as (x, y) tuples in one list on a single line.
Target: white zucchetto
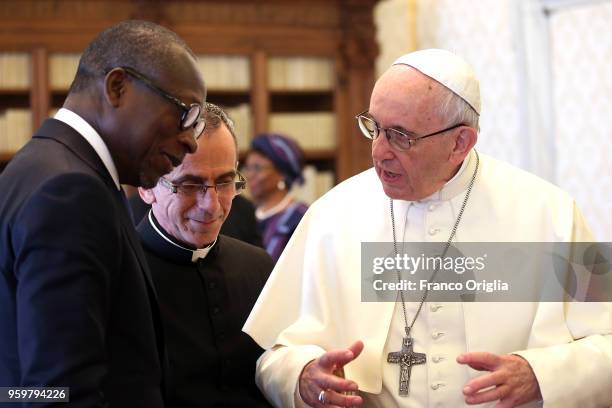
[(448, 69)]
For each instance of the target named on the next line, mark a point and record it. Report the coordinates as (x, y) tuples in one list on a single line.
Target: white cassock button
[(437, 359), (437, 335), (435, 386), (435, 308), (432, 207), (434, 231)]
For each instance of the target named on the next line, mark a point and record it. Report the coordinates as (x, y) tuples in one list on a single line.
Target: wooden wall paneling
[(343, 136), (208, 26), (260, 100), (359, 50), (39, 92)]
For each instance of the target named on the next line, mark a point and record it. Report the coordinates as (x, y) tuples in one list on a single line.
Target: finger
[(484, 381), (356, 348), (333, 398), (479, 360), (332, 359), (331, 382), (493, 394)]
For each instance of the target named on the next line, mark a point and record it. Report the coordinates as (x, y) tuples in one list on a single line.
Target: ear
[(464, 142), (277, 175), (147, 195), (115, 83)]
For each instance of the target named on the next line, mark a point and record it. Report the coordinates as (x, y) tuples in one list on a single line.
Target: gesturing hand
[(321, 374), (511, 378)]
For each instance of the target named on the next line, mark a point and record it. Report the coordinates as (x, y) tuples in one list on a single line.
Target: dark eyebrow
[(231, 173), (190, 178)]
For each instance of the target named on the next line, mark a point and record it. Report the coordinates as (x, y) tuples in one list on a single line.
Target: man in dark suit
[(207, 282), (77, 305)]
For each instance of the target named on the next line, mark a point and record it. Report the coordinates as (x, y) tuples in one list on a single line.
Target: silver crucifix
[(406, 359)]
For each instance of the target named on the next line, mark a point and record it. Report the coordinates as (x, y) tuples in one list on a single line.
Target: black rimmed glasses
[(224, 190), (397, 139), (190, 117)]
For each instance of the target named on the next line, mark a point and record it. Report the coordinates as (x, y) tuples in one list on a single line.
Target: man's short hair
[(455, 110), (215, 116), (138, 44)]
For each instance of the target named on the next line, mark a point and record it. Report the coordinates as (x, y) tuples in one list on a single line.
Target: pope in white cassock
[(325, 347)]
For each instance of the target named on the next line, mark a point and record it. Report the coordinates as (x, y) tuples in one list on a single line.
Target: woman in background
[(273, 164)]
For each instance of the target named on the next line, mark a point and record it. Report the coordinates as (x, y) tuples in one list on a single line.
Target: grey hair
[(455, 110), (215, 116)]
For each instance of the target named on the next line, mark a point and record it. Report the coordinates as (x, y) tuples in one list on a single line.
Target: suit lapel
[(62, 133), (134, 242), (127, 225), (73, 141)]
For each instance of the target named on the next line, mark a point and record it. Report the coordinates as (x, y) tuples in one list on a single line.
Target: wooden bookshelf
[(312, 155), (341, 31), (17, 92), (5, 157), (14, 98), (301, 101)]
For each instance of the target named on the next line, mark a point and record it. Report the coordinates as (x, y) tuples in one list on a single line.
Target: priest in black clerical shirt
[(206, 283)]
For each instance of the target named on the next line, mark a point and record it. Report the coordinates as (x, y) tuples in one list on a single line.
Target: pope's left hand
[(510, 380)]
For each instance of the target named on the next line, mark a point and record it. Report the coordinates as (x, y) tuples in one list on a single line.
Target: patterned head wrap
[(284, 153)]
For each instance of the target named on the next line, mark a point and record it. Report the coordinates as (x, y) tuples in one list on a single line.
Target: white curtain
[(546, 86), (581, 61), (481, 32)]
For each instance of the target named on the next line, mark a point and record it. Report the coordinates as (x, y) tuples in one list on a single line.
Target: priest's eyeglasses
[(190, 117), (397, 139), (227, 189)]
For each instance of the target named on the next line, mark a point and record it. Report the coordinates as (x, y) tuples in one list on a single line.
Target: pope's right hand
[(321, 375)]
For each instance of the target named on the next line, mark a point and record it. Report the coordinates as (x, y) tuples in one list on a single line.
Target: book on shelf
[(300, 73), (219, 72), (311, 130), (14, 70), (225, 72), (62, 69), (15, 129), (316, 183), (243, 124)]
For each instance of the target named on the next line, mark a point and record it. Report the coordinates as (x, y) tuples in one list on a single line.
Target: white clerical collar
[(458, 183), (195, 253), (93, 138)]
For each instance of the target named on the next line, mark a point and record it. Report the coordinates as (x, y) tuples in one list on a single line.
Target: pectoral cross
[(406, 359)]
